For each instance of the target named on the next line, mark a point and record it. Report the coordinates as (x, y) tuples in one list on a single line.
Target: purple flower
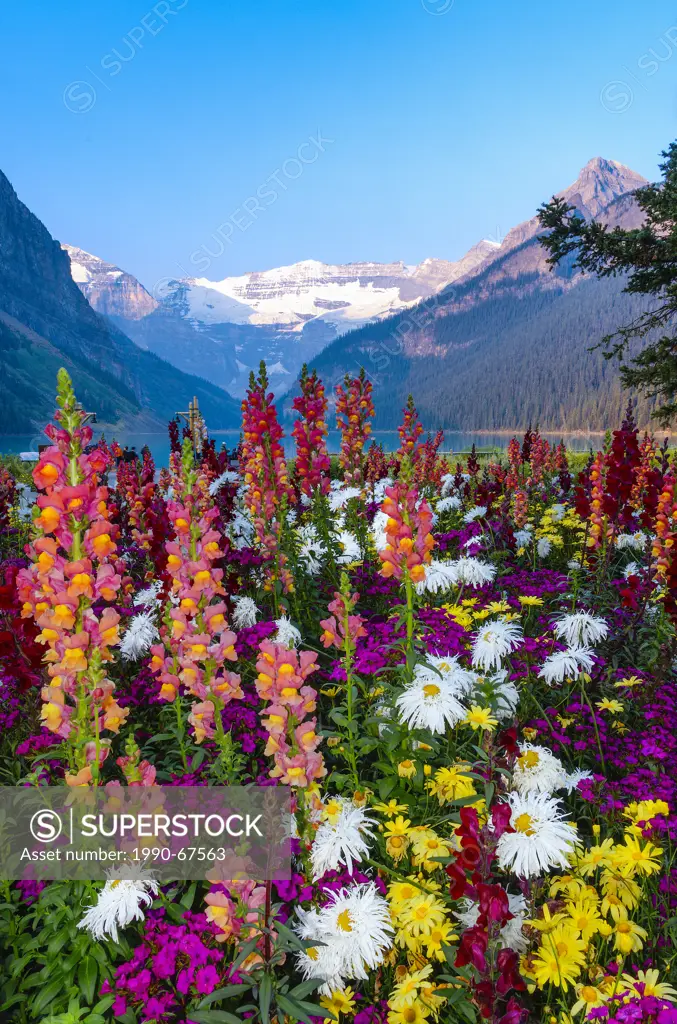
[(206, 980)]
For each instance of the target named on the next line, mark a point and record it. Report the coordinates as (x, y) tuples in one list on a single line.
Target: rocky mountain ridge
[(108, 289), (512, 343), (46, 321), (288, 315)]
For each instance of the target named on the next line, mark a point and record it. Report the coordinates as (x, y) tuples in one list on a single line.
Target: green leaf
[(265, 997), (47, 995), (222, 993), (299, 1010), (175, 911), (290, 936), (386, 786), (198, 758), (33, 980), (188, 897), (87, 975), (104, 1004), (248, 948), (305, 988), (214, 1017)]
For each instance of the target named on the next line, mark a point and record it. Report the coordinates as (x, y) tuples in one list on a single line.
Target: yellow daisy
[(480, 718), (391, 808), (614, 706)]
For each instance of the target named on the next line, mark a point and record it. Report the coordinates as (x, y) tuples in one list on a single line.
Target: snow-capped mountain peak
[(109, 290), (342, 295), (286, 315)]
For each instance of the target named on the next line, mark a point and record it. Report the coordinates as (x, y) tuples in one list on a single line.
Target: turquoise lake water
[(13, 444)]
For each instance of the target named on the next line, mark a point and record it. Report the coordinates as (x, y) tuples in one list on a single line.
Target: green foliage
[(21, 471), (76, 1014), (520, 356), (30, 364), (647, 255), (48, 963)]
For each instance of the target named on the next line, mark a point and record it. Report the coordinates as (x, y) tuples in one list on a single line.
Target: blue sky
[(136, 130)]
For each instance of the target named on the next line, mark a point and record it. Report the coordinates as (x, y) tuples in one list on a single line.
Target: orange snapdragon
[(196, 641), (408, 532), (73, 566), (292, 740)]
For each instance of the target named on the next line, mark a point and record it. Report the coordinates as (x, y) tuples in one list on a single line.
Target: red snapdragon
[(310, 433), (354, 410)]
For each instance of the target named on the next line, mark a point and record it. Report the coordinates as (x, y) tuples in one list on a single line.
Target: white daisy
[(340, 497), (229, 477), (477, 512), (312, 551), (566, 665), (378, 530), (541, 838), (149, 597), (507, 699), (523, 538), (573, 563), (287, 635), (446, 666), (340, 841), (350, 549), (353, 931), (580, 629), (447, 482), (119, 903), (537, 770), (246, 611), (240, 531), (448, 504), (326, 960), (571, 779), (439, 577), (544, 547), (557, 513), (493, 642), (631, 540), (139, 635), (467, 913), (472, 572), (431, 703), (632, 569), (379, 492), (511, 933)]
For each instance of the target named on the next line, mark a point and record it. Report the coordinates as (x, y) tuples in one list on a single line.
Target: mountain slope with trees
[(46, 319), (514, 344)]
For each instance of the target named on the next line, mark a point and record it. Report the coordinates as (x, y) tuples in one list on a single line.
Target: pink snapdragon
[(292, 740)]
